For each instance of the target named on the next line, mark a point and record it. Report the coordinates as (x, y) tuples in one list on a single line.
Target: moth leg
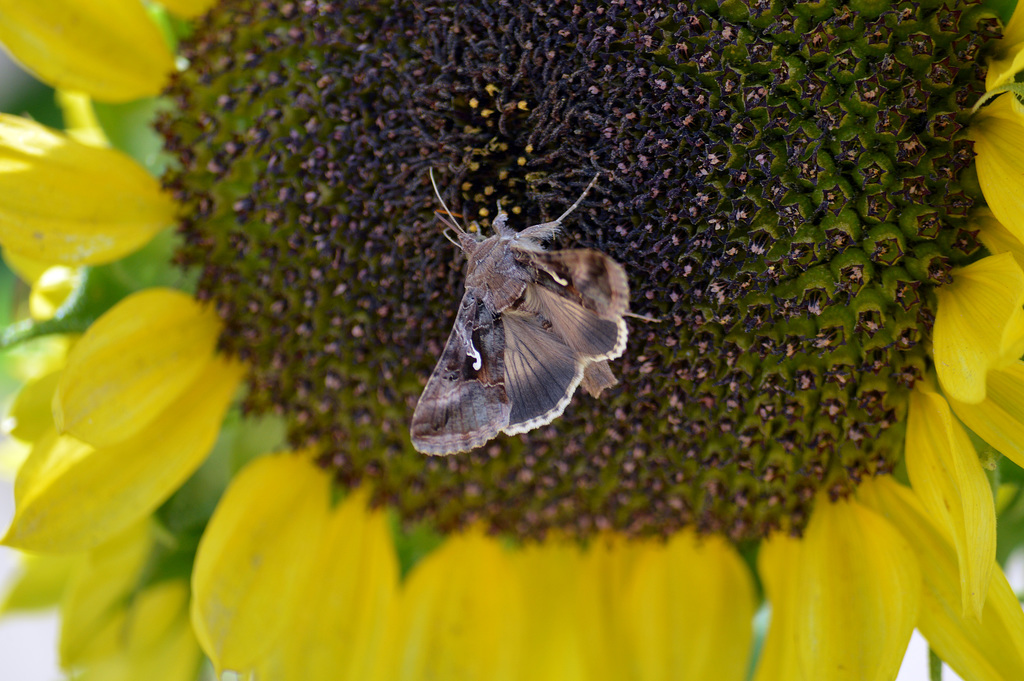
[(642, 317)]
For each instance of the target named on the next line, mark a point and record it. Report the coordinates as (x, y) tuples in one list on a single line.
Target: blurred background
[(28, 641)]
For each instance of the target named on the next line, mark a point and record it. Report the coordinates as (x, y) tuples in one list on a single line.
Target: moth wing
[(592, 336), (541, 371), (589, 277), (464, 403), (596, 377), (584, 294)]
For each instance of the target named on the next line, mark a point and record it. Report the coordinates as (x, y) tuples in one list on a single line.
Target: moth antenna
[(578, 201), (446, 221), (455, 222), (546, 230)]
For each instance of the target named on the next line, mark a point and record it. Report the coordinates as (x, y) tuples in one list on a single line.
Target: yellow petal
[(996, 238), (39, 356), (603, 576), (30, 417), (67, 203), (12, 455), (51, 457), (154, 639), (256, 557), (555, 641), (688, 610), (989, 650), (947, 476), (1003, 70), (157, 608), (40, 582), (1013, 32), (27, 269), (51, 290), (339, 620), (132, 363), (574, 603), (188, 8), (778, 564), (98, 594), (70, 496), (999, 419), (159, 643), (460, 616), (998, 134), (80, 121), (860, 588), (1010, 52), (979, 325), (176, 657), (111, 50)]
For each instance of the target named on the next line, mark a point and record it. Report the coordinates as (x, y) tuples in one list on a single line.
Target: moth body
[(532, 326)]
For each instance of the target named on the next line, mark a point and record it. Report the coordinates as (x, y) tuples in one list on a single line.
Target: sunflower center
[(781, 180)]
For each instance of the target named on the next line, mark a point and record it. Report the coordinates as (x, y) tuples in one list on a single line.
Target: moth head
[(468, 241)]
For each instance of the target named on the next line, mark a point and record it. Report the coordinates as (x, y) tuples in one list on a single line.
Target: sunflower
[(819, 208)]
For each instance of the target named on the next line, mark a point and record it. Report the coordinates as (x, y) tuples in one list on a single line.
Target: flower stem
[(29, 329), (934, 666)]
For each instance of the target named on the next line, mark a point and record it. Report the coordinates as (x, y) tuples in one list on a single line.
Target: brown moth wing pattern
[(584, 295), (541, 371), (590, 277), (589, 334), (562, 332), (597, 377), (464, 403)]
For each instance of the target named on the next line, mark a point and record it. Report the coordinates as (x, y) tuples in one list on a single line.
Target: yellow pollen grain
[(474, 103)]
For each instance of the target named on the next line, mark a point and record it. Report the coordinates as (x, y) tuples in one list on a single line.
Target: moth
[(532, 326)]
